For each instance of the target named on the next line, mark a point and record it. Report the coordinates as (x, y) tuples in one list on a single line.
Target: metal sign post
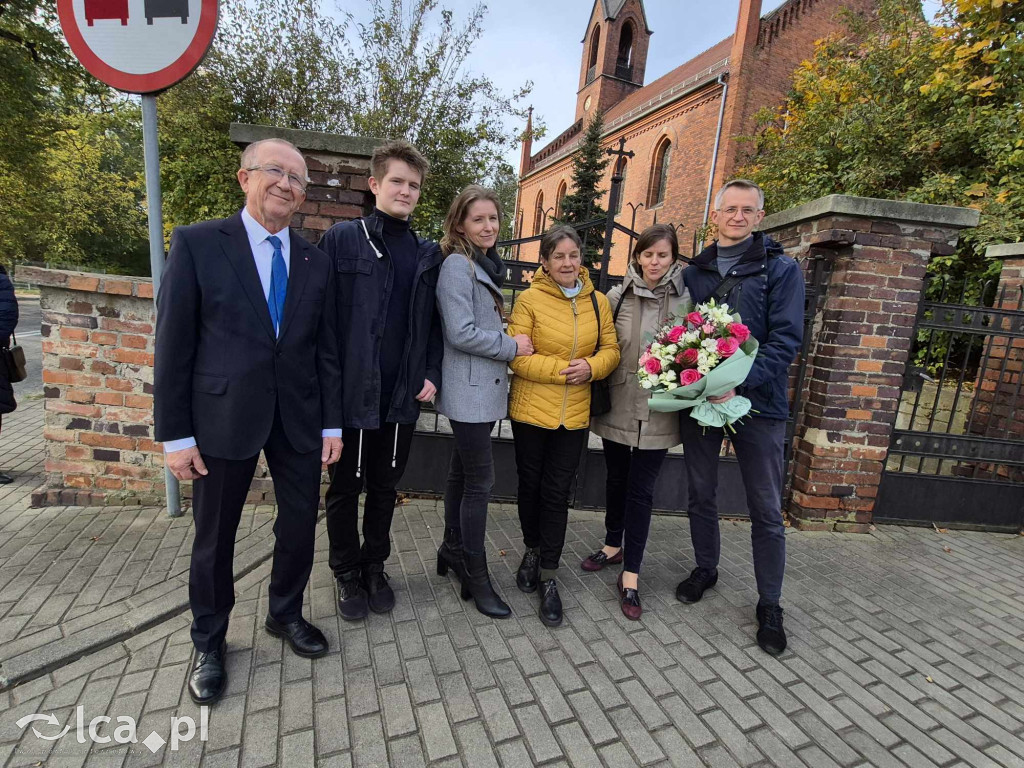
[(154, 199), (143, 48)]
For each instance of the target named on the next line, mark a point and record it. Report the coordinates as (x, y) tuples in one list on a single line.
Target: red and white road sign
[(139, 46)]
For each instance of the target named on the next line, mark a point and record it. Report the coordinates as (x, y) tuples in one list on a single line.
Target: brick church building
[(683, 126)]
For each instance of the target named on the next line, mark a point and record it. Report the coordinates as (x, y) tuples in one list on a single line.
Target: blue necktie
[(278, 284)]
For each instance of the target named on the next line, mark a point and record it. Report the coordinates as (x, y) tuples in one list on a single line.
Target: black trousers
[(629, 498), (546, 460), (470, 481), (760, 446), (218, 498), (368, 465)]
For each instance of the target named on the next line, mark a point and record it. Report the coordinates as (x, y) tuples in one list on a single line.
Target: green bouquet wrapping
[(705, 353)]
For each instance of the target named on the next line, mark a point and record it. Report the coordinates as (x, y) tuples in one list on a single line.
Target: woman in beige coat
[(635, 439)]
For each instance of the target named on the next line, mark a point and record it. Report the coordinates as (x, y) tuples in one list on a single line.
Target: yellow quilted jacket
[(561, 329)]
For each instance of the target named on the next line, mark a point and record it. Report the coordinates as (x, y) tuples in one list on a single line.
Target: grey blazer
[(474, 371)]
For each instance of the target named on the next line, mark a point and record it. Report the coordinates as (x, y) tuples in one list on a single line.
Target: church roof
[(704, 66), (665, 86)]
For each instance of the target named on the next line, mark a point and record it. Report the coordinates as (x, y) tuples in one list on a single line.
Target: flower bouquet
[(704, 353)]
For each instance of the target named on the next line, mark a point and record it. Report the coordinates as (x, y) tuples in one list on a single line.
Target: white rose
[(646, 384)]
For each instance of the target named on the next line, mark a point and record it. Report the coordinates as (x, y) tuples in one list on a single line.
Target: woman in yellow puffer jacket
[(549, 401)]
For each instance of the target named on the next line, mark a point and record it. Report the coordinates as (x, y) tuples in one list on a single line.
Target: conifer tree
[(588, 166)]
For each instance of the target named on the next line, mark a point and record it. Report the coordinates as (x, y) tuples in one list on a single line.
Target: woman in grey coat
[(474, 390), (635, 439)]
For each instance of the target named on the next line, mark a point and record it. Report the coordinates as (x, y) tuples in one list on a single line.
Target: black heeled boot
[(477, 585), (449, 554)]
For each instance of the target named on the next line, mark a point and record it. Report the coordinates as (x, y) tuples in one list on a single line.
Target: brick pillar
[(339, 167), (1000, 391), (876, 252)]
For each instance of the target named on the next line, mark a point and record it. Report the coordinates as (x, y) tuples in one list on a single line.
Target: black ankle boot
[(449, 554), (477, 584), (550, 604)]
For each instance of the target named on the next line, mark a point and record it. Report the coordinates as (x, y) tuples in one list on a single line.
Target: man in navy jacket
[(247, 360), (767, 289), (391, 349)]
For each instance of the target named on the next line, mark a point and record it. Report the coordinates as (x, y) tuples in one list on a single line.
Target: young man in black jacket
[(8, 322), (391, 347), (766, 287)]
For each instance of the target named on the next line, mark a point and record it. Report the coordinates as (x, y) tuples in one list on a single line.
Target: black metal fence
[(957, 450)]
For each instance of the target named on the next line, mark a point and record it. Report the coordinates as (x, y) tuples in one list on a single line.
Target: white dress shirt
[(263, 255)]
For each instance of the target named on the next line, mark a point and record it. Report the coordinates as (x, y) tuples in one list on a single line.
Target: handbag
[(600, 391), (13, 360)]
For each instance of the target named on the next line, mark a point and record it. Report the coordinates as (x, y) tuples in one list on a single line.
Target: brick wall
[(876, 255), (98, 347), (999, 383)]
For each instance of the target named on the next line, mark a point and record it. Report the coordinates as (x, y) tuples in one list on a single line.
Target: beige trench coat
[(630, 422)]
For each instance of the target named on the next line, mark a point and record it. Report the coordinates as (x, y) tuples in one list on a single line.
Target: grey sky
[(540, 40)]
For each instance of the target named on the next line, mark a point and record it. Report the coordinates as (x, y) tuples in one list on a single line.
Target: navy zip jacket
[(770, 300), (365, 274)]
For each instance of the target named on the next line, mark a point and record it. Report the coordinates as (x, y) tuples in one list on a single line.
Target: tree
[(407, 78), (914, 111), (580, 206)]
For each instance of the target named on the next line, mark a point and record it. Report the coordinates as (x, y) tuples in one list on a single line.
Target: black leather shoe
[(380, 596), (352, 603), (528, 575), (550, 604), (209, 676), (5, 479), (770, 634), (477, 585), (692, 589), (305, 639), (449, 554)]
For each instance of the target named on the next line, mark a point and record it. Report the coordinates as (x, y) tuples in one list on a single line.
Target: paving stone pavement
[(901, 654), (906, 649)]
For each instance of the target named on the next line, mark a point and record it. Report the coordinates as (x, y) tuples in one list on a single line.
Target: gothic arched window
[(595, 41), (559, 197), (538, 214), (621, 168), (659, 174), (624, 59)]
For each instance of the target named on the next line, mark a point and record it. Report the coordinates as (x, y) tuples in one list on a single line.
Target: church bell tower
[(614, 55)]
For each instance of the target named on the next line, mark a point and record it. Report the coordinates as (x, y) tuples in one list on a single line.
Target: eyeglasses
[(733, 210), (277, 174)]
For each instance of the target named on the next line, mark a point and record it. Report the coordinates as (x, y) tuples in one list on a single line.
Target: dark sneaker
[(550, 604), (352, 602), (528, 575), (599, 560), (5, 478), (379, 594), (691, 589), (770, 634)]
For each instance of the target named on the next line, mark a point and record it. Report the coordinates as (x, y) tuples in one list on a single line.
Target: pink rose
[(688, 357), (740, 331), (709, 329), (645, 357), (689, 376), (695, 318), (727, 347), (675, 334), (653, 365)]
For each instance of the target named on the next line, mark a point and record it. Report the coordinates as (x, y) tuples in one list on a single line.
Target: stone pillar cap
[(1005, 251), (244, 134), (874, 208)]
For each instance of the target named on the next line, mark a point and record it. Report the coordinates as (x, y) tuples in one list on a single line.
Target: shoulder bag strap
[(597, 312)]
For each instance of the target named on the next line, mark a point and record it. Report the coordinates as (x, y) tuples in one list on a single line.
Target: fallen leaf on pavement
[(501, 552), (929, 680), (946, 549), (940, 530)]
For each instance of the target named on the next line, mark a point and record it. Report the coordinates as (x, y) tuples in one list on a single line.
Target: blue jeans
[(629, 497), (760, 449)]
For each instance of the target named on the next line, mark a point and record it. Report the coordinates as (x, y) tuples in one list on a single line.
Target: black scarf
[(493, 266)]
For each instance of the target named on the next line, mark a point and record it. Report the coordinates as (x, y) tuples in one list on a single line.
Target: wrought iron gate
[(957, 450)]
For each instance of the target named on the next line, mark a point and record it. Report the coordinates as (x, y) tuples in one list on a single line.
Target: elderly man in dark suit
[(247, 360)]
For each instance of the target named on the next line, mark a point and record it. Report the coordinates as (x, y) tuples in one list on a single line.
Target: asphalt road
[(29, 319)]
